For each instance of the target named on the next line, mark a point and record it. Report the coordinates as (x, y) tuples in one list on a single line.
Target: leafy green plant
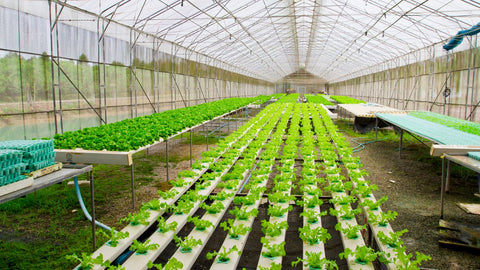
[(392, 240), (364, 191), (203, 185), (230, 184), (315, 260), (143, 248), (172, 264), (221, 196), (243, 214), (382, 218), (223, 256), (193, 196), (273, 266), (280, 197), (179, 182), (200, 224), (167, 194), (283, 186), (164, 226), (214, 208), (186, 174), (373, 205), (154, 205), (182, 207), (186, 245), (349, 230), (113, 235), (336, 187), (312, 215), (343, 200), (234, 231), (273, 229), (114, 267), (272, 250), (246, 200), (345, 212), (86, 261), (312, 190), (403, 259), (258, 190), (311, 202), (138, 218), (277, 210), (363, 255), (313, 236)]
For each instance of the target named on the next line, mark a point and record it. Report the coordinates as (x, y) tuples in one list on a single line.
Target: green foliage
[(363, 255), (273, 229), (345, 212), (277, 210), (214, 208), (316, 260), (392, 240), (382, 218), (223, 256), (137, 219), (349, 230), (243, 214), (86, 261), (221, 196), (169, 194), (186, 174), (312, 215), (164, 226), (404, 261), (373, 205), (315, 235), (343, 200), (346, 100), (246, 200), (182, 207), (235, 230), (143, 248), (456, 123), (154, 205), (200, 224), (280, 197), (273, 266), (113, 235), (273, 250), (172, 264), (179, 182), (186, 245)]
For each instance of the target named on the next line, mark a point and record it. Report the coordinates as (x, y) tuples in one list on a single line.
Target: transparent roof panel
[(274, 38)]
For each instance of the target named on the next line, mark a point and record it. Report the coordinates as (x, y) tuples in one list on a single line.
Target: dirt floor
[(412, 184)]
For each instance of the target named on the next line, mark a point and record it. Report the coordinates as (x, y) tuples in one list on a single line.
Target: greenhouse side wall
[(63, 69), (421, 85)]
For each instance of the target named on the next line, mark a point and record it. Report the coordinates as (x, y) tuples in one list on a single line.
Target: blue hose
[(361, 146), (84, 209)]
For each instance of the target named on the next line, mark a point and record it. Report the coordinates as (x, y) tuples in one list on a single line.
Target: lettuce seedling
[(193, 196), (182, 207), (187, 174), (332, 171), (343, 200), (280, 197), (223, 256), (243, 214), (345, 212), (314, 236), (373, 205), (246, 200), (257, 191), (382, 218), (113, 235), (172, 264), (86, 261), (197, 165), (230, 184), (200, 224), (277, 210), (221, 196), (234, 231), (364, 191), (154, 205), (143, 248), (214, 208), (283, 186), (273, 266), (167, 194), (363, 255), (350, 231), (137, 219), (403, 260), (186, 245), (312, 190), (179, 182), (315, 260), (393, 239), (312, 215), (336, 187), (273, 229), (164, 227), (272, 250), (311, 202), (208, 176), (203, 185)]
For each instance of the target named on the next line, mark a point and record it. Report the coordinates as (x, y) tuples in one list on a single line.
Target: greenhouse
[(257, 134)]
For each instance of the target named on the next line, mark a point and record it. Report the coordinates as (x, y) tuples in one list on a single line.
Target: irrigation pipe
[(247, 180), (84, 209), (361, 146)]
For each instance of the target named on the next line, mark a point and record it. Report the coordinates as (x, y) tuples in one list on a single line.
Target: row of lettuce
[(255, 142), (131, 134)]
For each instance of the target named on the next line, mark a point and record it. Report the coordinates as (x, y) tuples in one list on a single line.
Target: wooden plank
[(470, 208), (16, 186), (93, 157), (46, 170), (453, 150)]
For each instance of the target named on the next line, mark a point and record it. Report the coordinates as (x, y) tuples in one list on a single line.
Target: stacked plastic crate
[(24, 156), (11, 166)]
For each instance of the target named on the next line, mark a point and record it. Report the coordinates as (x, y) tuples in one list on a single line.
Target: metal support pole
[(442, 188), (191, 152), (400, 144), (376, 128), (166, 153), (207, 134), (92, 194), (133, 187), (447, 182)]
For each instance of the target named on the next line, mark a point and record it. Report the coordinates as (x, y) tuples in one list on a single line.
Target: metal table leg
[(442, 188), (166, 153), (92, 194), (191, 155), (133, 186), (376, 128), (400, 144)]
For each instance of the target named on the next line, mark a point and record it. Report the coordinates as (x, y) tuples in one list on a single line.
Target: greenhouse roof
[(274, 38)]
